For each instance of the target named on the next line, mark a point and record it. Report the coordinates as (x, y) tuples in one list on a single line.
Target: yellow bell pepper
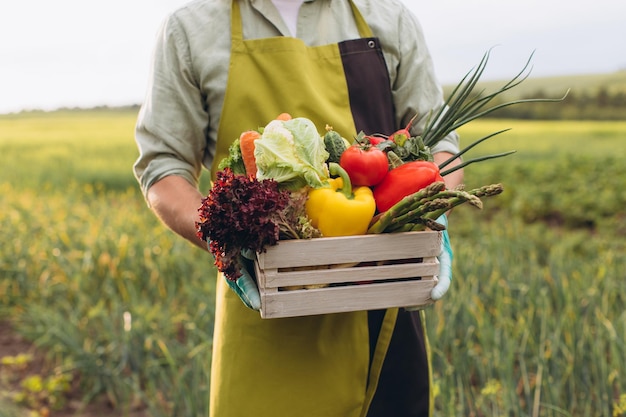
[(338, 210)]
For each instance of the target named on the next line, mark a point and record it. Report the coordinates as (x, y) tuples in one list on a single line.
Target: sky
[(77, 53)]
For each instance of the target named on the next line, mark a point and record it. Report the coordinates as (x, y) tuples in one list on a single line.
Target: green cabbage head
[(292, 152)]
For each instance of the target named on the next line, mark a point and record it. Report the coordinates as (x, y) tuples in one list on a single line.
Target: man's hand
[(445, 263), (245, 286)]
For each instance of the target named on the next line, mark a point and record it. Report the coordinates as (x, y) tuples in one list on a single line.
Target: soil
[(11, 345)]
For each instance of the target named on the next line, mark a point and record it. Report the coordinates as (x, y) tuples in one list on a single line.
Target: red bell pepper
[(404, 180)]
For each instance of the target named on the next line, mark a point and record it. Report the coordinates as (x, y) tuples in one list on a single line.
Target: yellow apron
[(317, 366)]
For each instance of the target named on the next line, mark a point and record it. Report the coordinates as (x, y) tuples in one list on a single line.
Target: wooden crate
[(366, 272)]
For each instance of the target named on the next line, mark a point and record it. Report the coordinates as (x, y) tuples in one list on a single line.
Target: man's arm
[(455, 178), (175, 202)]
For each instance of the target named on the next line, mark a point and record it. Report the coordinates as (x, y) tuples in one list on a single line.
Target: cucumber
[(334, 144)]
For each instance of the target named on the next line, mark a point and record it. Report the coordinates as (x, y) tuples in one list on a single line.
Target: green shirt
[(177, 125)]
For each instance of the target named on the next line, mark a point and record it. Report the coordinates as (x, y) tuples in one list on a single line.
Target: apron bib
[(315, 366)]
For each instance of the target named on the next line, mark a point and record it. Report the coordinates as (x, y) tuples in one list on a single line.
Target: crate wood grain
[(352, 273)]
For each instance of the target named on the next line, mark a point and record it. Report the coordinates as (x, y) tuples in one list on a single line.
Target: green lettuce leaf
[(234, 160), (292, 153)]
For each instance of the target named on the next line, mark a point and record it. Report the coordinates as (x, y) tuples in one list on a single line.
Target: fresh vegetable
[(420, 210), (234, 160), (374, 140), (366, 165), (334, 144), (284, 116), (246, 144), (251, 226), (400, 136), (291, 152), (404, 180), (464, 104), (242, 213), (411, 148), (338, 210)]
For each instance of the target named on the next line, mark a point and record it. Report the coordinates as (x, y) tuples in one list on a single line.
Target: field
[(534, 324)]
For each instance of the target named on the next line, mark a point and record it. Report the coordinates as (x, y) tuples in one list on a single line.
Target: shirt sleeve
[(416, 88), (172, 123)]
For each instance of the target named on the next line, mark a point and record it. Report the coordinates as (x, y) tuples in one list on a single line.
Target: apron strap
[(382, 345), (364, 29), (431, 394), (235, 21)]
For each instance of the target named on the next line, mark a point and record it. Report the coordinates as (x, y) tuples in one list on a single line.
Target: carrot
[(246, 144), (283, 116)]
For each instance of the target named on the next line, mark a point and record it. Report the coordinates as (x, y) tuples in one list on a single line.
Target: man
[(222, 67)]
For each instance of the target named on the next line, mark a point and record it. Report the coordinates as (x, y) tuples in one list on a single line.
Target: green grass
[(540, 138), (534, 324), (565, 173), (54, 148)]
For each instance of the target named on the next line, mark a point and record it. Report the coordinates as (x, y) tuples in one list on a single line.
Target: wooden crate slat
[(273, 278), (345, 299), (362, 248)]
